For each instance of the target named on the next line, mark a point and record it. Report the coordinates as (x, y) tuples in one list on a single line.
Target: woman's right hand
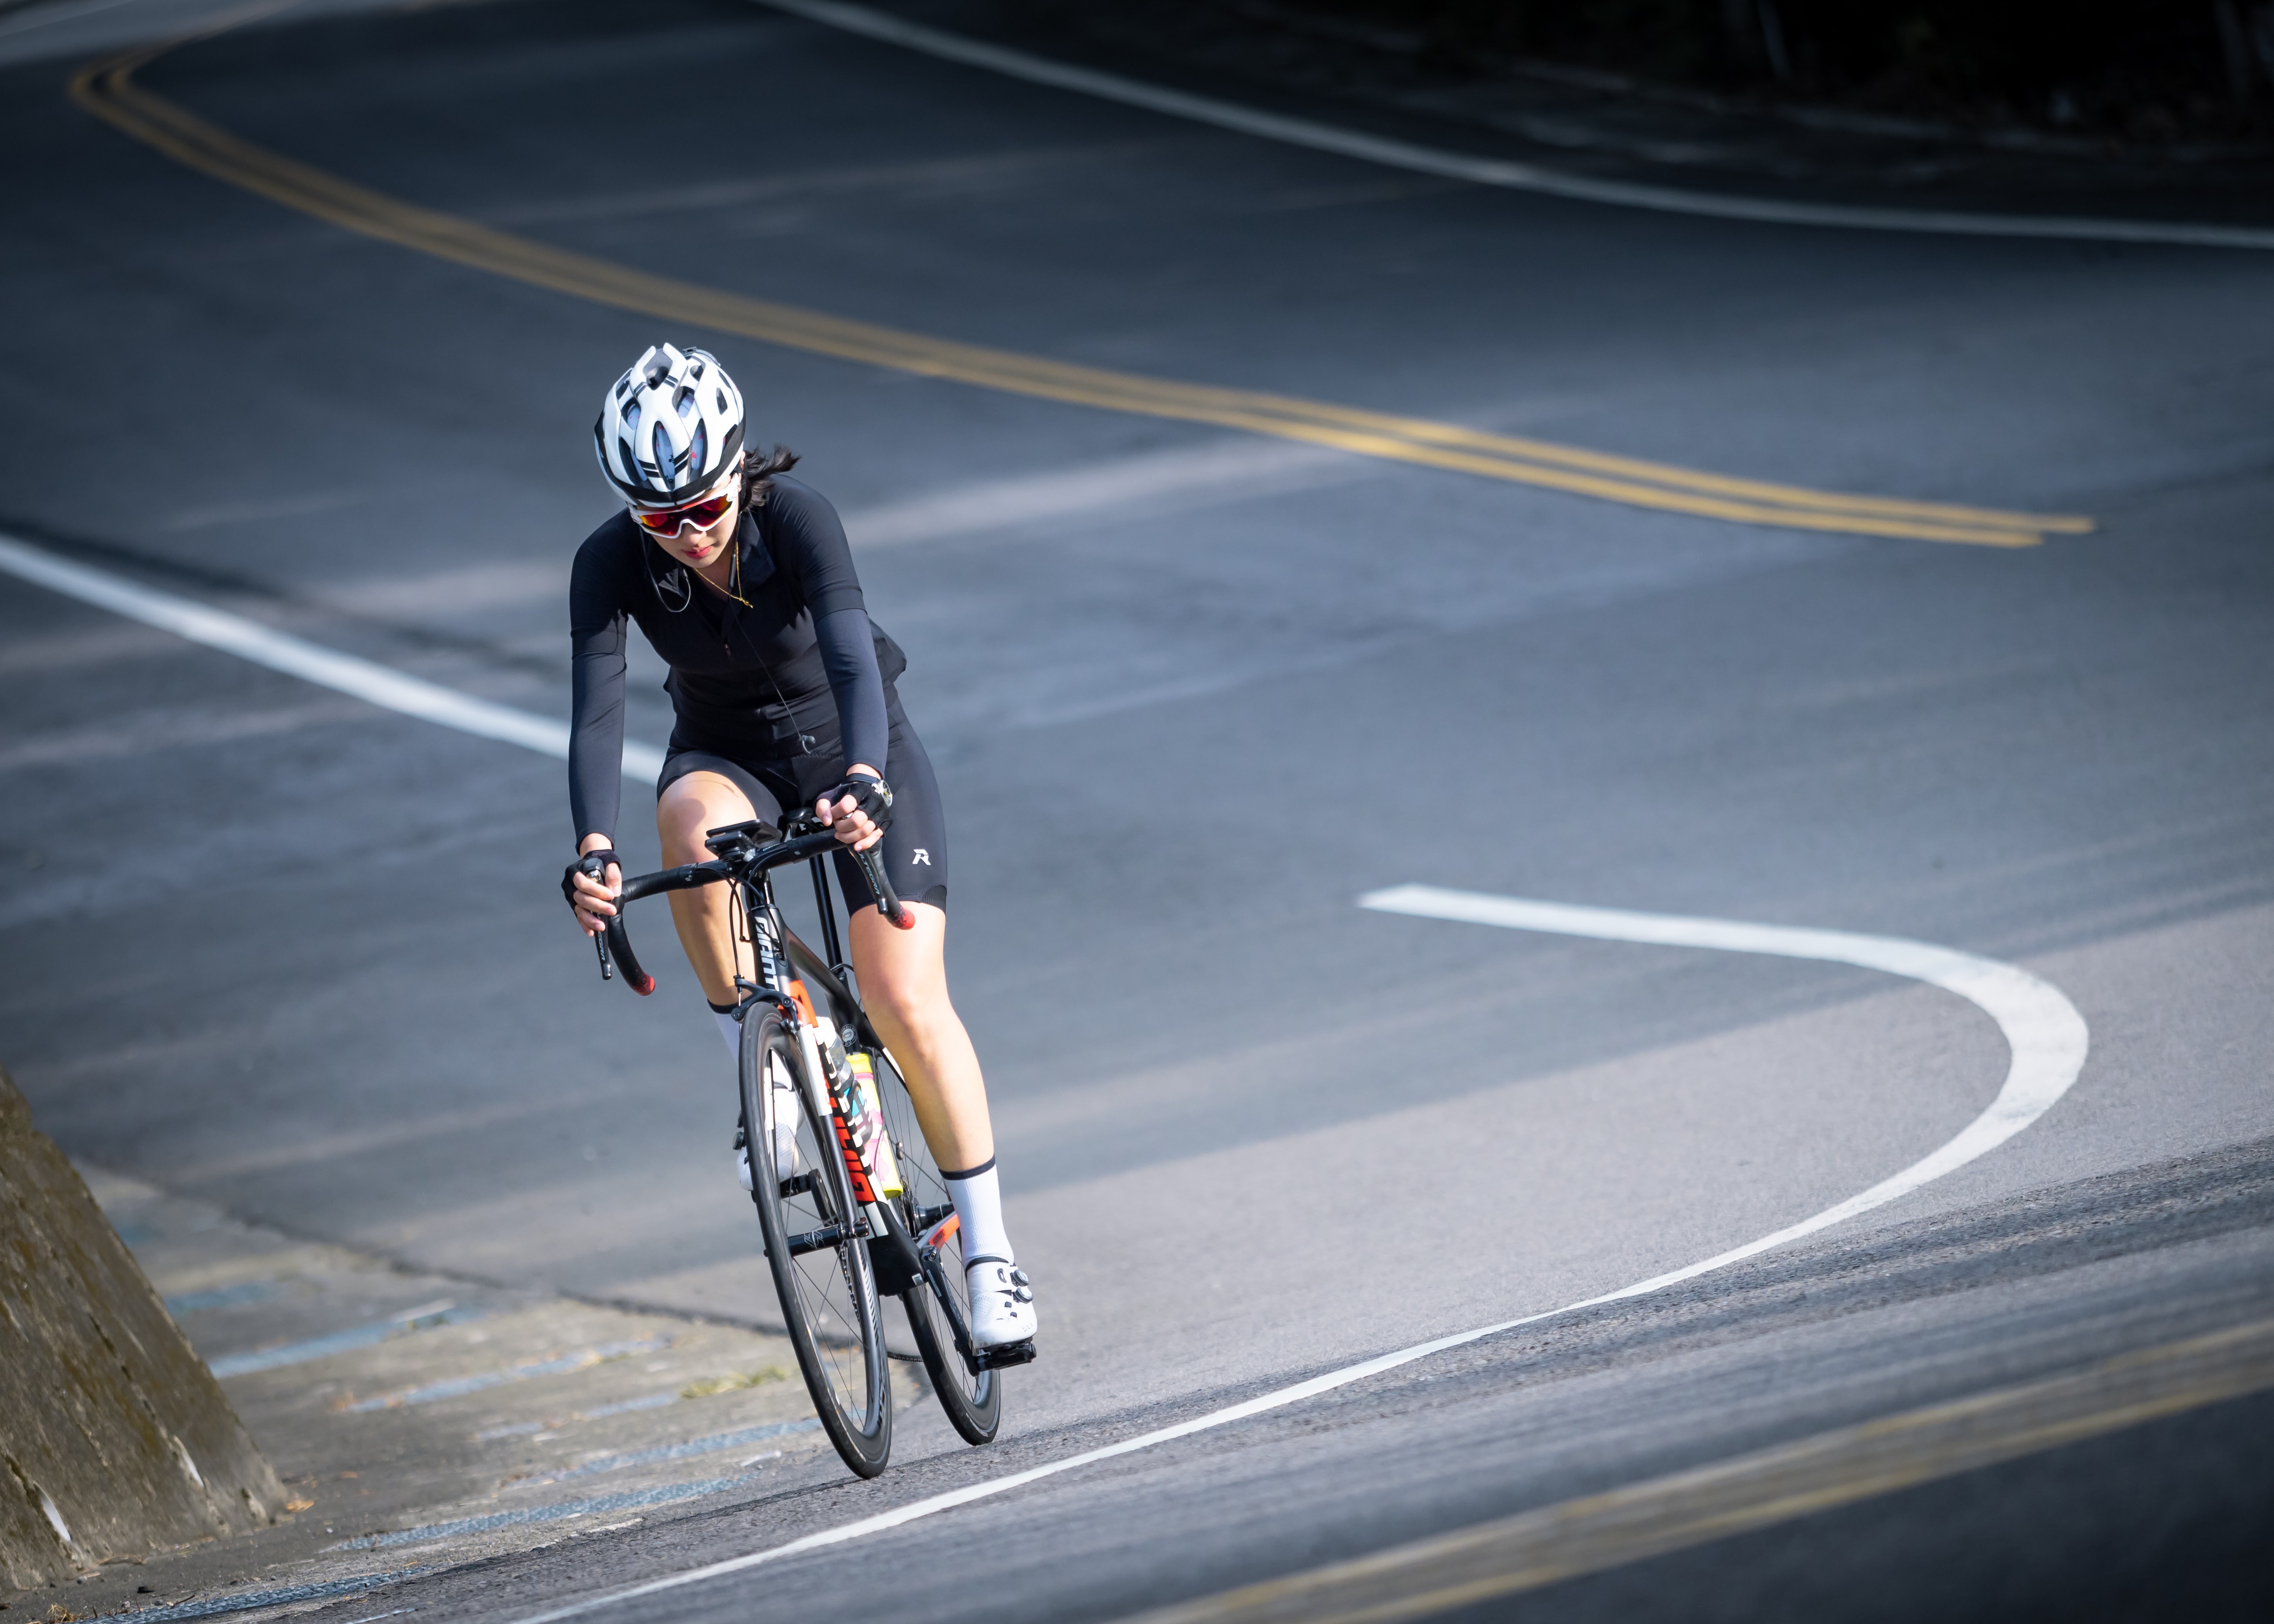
[(595, 901)]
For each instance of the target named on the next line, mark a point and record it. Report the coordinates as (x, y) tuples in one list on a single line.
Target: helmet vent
[(670, 427)]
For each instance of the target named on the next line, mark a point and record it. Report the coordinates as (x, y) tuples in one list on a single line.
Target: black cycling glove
[(594, 863), (871, 795)]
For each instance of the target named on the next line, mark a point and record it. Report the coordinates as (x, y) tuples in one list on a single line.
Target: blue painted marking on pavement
[(630, 1501), (207, 1608), (341, 1341), (679, 1452), (224, 1296), (459, 1385)]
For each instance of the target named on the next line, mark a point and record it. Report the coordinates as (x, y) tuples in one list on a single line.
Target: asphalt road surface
[(1190, 692)]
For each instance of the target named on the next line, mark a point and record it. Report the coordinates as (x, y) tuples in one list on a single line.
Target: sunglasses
[(670, 521)]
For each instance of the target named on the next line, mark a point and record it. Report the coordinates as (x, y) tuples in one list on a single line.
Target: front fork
[(821, 1105), (774, 977)]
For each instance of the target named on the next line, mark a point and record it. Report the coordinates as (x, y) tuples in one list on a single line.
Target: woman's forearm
[(848, 654)]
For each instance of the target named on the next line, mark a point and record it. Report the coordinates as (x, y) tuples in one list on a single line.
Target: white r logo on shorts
[(923, 857)]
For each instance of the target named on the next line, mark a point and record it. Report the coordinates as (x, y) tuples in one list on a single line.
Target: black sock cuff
[(722, 1009), (987, 1166)]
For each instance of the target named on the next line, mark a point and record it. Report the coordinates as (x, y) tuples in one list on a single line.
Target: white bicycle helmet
[(669, 428)]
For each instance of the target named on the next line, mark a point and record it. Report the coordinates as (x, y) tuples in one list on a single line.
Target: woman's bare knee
[(917, 1008), (692, 805)]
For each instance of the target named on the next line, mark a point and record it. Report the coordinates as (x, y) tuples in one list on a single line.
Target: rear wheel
[(821, 1266), (937, 1305)]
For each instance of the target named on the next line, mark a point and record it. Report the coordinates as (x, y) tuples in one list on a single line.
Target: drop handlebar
[(741, 856)]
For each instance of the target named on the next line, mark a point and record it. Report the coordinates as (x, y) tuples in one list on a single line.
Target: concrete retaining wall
[(114, 1439)]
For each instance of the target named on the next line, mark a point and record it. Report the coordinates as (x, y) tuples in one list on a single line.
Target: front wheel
[(814, 1248), (936, 1301)]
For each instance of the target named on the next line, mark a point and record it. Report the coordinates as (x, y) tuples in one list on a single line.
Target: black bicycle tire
[(975, 1414), (866, 1446)]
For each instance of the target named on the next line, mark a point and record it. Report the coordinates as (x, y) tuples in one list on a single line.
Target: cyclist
[(783, 690)]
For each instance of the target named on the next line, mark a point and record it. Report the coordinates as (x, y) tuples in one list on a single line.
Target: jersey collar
[(757, 559)]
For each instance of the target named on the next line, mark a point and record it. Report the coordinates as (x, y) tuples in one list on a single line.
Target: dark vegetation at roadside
[(2136, 72)]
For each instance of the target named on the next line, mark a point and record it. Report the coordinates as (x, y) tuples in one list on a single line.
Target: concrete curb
[(115, 1439)]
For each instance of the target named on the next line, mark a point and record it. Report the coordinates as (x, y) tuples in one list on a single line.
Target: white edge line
[(40, 17), (1493, 171), (2043, 1028), (345, 673)]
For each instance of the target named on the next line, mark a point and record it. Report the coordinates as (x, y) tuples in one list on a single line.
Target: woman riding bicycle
[(782, 687)]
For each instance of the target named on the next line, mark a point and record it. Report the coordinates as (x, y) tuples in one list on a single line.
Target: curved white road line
[(1495, 171), (264, 645), (2043, 1030)]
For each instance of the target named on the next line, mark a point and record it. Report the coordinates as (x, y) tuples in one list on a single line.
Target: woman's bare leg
[(705, 915), (903, 974), (904, 987)]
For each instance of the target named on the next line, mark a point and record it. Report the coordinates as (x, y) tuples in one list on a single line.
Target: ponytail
[(758, 470)]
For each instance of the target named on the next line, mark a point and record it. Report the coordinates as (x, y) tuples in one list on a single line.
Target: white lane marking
[(264, 645), (165, 16), (2042, 1028), (42, 16), (1495, 171)]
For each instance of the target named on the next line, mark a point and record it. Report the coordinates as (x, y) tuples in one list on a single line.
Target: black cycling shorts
[(915, 845)]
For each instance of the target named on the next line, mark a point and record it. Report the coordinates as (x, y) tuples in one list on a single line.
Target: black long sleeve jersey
[(751, 684)]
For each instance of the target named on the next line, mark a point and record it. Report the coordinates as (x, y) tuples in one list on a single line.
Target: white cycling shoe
[(1002, 1303), (788, 1115)]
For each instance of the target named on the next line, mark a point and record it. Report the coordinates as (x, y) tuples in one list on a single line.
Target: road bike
[(851, 1206)]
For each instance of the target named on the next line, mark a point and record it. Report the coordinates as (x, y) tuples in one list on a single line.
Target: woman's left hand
[(855, 827)]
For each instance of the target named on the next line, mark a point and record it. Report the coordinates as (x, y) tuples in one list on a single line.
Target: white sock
[(730, 1029), (979, 1208)]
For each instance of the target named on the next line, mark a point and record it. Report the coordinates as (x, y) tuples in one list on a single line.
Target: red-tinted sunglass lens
[(702, 516)]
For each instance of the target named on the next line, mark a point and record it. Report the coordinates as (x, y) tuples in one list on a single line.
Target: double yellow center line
[(107, 89), (1535, 1549)]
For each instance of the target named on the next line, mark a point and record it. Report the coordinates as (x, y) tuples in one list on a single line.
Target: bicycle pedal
[(1004, 1355)]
